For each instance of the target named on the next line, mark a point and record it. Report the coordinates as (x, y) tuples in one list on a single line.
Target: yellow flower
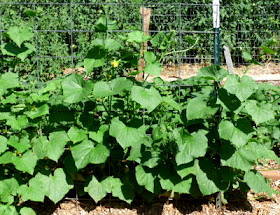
[(115, 63)]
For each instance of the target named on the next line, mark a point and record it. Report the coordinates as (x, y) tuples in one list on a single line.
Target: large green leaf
[(96, 57), (20, 34), (208, 178), (260, 113), (147, 98), (234, 134), (126, 136), (172, 182), (258, 183), (137, 37), (189, 168), (117, 86), (112, 45), (190, 146), (214, 72), (8, 189), (52, 148), (3, 144), (153, 69), (21, 53), (8, 210), (118, 189), (198, 108), (75, 89), (27, 211), (56, 145), (96, 189), (21, 145), (34, 191), (25, 163), (77, 135), (88, 152), (240, 158), (8, 80), (38, 111), (56, 186), (146, 178), (243, 87)]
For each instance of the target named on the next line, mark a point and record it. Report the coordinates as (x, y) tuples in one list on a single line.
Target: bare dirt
[(269, 72)]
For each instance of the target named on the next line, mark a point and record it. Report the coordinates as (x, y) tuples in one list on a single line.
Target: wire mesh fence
[(64, 29)]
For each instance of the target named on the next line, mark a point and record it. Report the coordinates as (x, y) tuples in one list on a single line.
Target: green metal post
[(217, 47)]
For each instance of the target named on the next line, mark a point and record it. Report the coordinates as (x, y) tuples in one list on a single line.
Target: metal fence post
[(216, 25)]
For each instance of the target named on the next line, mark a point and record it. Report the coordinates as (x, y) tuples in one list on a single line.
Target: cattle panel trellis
[(64, 29)]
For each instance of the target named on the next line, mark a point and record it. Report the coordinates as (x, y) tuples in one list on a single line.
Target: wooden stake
[(228, 60), (146, 17)]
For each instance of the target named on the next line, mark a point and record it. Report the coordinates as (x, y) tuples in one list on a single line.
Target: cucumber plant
[(111, 135)]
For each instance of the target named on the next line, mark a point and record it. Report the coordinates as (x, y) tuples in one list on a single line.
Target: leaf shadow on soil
[(161, 206)]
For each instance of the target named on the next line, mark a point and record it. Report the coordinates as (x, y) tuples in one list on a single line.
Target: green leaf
[(96, 57), (228, 101), (172, 182), (8, 80), (235, 135), (268, 50), (118, 189), (96, 189), (126, 136), (147, 98), (172, 103), (150, 57), (247, 56), (260, 113), (112, 45), (257, 183), (198, 108), (21, 145), (3, 144), (99, 135), (145, 178), (187, 169), (77, 135), (56, 186), (243, 87), (88, 153), (40, 146), (21, 53), (214, 72), (8, 210), (116, 87), (75, 89), (190, 146), (208, 178), (137, 37), (55, 148), (27, 211), (153, 69), (18, 123), (25, 163), (34, 191), (240, 158), (38, 111), (8, 189), (20, 34), (52, 149)]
